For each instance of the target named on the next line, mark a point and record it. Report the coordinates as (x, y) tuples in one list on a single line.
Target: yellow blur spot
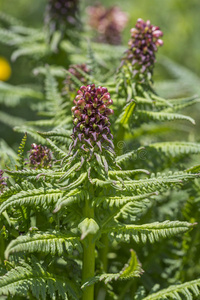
[(5, 69)]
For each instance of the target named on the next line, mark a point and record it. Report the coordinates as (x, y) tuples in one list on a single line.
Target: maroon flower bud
[(87, 96), (110, 102), (87, 119), (95, 102), (102, 108), (89, 109), (81, 104), (109, 111), (73, 108), (77, 114)]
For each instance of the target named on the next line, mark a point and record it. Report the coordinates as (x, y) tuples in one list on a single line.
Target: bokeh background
[(178, 19)]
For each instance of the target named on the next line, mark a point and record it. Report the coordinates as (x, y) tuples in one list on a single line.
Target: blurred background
[(178, 19)]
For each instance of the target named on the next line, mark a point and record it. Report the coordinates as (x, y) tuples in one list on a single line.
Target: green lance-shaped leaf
[(176, 292), (35, 279), (158, 182), (53, 242), (118, 201), (76, 183), (73, 196), (40, 196), (124, 173), (130, 155), (130, 270), (148, 232), (127, 113), (60, 136), (163, 116), (176, 148), (51, 88), (21, 152), (38, 49), (69, 172)]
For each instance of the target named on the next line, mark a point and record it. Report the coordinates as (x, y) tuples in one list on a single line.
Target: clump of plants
[(81, 217)]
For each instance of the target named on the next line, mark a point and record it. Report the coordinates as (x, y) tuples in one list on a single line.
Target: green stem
[(88, 270)]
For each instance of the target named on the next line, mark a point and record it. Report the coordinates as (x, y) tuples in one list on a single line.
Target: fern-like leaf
[(131, 269), (40, 196), (53, 242), (148, 232), (35, 279), (176, 292)]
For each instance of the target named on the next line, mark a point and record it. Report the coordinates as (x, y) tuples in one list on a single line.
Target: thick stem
[(88, 267), (88, 270)]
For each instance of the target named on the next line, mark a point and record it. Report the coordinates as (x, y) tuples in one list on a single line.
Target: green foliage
[(187, 290), (78, 218), (34, 277)]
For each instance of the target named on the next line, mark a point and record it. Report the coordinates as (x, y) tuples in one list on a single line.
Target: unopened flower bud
[(76, 121), (77, 114), (82, 127), (81, 104), (95, 102), (102, 108), (73, 108), (109, 111)]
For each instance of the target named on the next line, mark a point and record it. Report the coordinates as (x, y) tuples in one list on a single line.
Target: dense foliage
[(101, 201)]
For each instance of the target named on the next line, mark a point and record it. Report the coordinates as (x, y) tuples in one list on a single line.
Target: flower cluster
[(144, 42), (61, 13), (91, 121), (2, 181), (40, 157), (109, 23), (68, 83)]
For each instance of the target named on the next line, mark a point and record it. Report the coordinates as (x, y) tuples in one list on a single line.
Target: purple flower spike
[(93, 129), (40, 157), (61, 14), (2, 181), (144, 42), (108, 22)]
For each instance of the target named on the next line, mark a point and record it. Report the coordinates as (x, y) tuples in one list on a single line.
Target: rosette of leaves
[(63, 219)]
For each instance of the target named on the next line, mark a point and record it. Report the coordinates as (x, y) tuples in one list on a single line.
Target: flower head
[(61, 14), (2, 181), (74, 72), (40, 157), (91, 119), (144, 42), (109, 23)]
